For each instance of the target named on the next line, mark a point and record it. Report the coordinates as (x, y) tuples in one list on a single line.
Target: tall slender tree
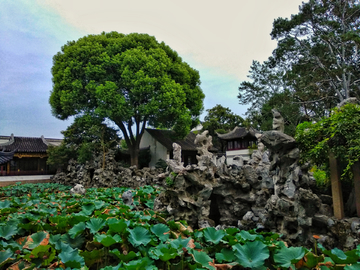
[(321, 46), (316, 62)]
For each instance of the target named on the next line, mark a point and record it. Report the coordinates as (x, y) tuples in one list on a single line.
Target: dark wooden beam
[(338, 204)]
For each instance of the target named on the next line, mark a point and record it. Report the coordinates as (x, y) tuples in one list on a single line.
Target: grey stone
[(289, 189), (127, 197), (248, 216), (78, 189), (355, 226)]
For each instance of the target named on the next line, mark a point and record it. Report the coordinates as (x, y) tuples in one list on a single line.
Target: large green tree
[(133, 80)]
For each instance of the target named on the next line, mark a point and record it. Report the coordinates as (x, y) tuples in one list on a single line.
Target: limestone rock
[(78, 189)]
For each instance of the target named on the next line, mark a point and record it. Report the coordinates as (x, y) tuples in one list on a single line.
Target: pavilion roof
[(25, 144), (6, 157), (238, 133)]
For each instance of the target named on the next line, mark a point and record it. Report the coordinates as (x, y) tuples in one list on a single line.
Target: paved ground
[(11, 180)]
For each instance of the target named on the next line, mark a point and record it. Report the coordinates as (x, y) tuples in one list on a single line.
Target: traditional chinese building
[(239, 142), (161, 146), (25, 155)]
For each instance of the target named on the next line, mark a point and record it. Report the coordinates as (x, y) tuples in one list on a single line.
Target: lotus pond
[(43, 226)]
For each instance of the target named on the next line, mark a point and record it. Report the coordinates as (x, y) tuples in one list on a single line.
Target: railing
[(12, 173)]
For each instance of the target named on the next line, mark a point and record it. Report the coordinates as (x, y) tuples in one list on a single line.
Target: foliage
[(339, 133), (220, 120), (133, 80), (86, 137), (59, 156), (320, 45), (43, 226), (321, 177), (314, 67), (161, 164)]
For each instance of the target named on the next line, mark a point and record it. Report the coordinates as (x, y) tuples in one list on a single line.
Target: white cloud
[(224, 35)]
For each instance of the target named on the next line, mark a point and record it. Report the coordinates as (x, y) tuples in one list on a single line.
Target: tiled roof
[(24, 144), (6, 157), (237, 133), (165, 137)]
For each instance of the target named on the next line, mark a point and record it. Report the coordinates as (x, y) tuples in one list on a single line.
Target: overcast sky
[(218, 38)]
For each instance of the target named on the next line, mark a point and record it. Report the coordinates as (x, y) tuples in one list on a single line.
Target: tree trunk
[(134, 155)]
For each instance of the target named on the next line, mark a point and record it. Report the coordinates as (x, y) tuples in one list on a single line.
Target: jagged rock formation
[(272, 193), (114, 174)]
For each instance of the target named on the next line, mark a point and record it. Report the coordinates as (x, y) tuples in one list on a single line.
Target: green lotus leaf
[(116, 226), (312, 260), (198, 234), (125, 258), (139, 236), (339, 257), (36, 239), (45, 253), (55, 240), (161, 231), (76, 218), (62, 223), (72, 259), (285, 257), (202, 258), (8, 230), (244, 236), (150, 204), (226, 255), (112, 267), (88, 209), (95, 224), (163, 252), (75, 242), (180, 243), (92, 257), (5, 204), (13, 245), (251, 254), (355, 266), (99, 204), (212, 235), (147, 189), (6, 257), (231, 231), (77, 229), (143, 263), (107, 240)]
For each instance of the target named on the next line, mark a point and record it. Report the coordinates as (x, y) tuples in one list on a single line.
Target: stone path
[(24, 179)]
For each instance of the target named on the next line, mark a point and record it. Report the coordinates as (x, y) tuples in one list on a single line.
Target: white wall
[(245, 153), (157, 150)]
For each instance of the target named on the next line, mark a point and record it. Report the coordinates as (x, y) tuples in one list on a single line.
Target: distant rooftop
[(238, 133), (26, 144)]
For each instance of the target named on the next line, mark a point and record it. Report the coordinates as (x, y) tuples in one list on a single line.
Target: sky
[(220, 39)]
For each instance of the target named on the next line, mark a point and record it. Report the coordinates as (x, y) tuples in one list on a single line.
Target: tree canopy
[(316, 60), (87, 136), (133, 80), (221, 120), (339, 133)]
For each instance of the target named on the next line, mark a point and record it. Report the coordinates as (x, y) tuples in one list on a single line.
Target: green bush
[(161, 164), (321, 178)]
